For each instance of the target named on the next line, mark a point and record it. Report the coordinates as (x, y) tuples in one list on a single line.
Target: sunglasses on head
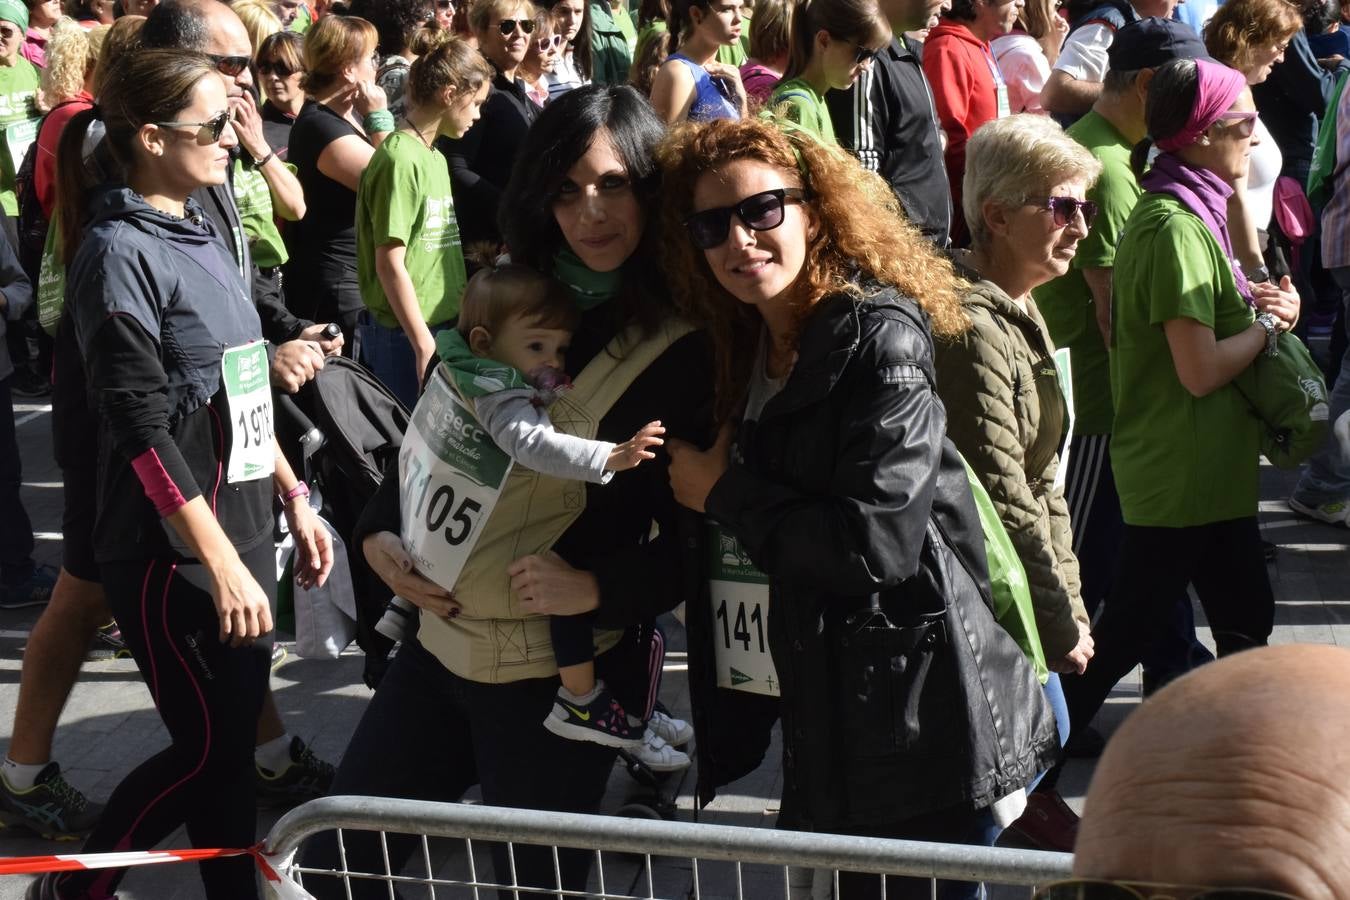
[(764, 211), (208, 132), (506, 26), (1090, 889), (543, 45), (1064, 208), (229, 66)]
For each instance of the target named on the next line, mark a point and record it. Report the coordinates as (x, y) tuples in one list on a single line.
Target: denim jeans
[(389, 354), (1327, 476)]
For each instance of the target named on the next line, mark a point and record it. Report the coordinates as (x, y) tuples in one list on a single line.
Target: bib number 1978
[(249, 396)]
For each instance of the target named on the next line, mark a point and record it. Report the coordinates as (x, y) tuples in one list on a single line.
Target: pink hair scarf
[(1218, 87)]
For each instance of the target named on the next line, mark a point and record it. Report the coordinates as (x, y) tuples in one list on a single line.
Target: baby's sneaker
[(658, 755), (596, 717)]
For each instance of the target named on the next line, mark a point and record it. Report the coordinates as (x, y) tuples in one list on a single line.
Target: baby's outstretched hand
[(628, 454)]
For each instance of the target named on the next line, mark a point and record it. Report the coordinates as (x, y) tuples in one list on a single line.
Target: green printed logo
[(454, 436), (729, 560), (738, 677)]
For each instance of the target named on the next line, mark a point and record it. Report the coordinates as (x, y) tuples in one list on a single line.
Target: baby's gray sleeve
[(524, 432)]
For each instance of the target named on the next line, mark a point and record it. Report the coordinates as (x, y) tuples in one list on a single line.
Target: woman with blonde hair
[(840, 484), (1026, 54), (67, 88), (1251, 36), (259, 20), (343, 121), (481, 160)]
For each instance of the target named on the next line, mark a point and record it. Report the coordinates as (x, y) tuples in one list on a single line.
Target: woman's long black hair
[(560, 136)]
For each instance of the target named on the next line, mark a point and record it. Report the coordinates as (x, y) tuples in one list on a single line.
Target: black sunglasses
[(764, 211), (1064, 209), (865, 53), (275, 65), (229, 66), (213, 127), (445, 4), (1091, 889), (506, 26)]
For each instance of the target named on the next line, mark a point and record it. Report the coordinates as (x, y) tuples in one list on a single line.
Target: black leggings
[(1222, 560), (431, 735), (208, 694)]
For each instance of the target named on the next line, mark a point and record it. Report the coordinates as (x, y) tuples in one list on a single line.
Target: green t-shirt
[(404, 198), (734, 54), (1179, 460), (18, 121), (1066, 303), (254, 199), (300, 24), (803, 106)]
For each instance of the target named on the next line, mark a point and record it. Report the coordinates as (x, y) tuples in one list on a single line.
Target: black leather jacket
[(900, 693)]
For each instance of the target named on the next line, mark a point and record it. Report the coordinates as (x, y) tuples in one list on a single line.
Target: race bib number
[(450, 475), (248, 394), (19, 136), (740, 607)]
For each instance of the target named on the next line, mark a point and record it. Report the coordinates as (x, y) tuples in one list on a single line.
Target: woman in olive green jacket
[(1024, 185)]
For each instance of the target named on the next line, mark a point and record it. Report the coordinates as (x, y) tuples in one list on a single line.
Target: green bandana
[(590, 288), (14, 11), (472, 375)]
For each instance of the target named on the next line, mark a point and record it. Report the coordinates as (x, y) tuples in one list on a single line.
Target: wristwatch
[(1259, 275), (1272, 326), (300, 490)]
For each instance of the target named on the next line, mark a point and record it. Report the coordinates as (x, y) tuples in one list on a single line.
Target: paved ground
[(110, 725)]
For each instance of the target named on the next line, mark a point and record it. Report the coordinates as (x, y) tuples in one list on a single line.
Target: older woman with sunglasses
[(542, 59), (1186, 322), (1024, 186), (281, 68), (834, 473), (481, 161)]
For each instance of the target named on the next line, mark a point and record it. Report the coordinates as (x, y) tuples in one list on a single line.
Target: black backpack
[(32, 224)]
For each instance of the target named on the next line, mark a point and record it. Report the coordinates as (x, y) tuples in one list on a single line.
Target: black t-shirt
[(277, 130), (327, 233)]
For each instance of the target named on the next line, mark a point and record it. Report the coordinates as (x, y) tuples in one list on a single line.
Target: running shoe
[(107, 643), (305, 778), (1337, 512), (676, 732), (658, 755), (51, 808), (35, 590), (601, 721), (1048, 822)]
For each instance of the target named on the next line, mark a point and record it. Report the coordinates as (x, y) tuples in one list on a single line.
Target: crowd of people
[(940, 321)]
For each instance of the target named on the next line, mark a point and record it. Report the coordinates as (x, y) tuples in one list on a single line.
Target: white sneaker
[(1337, 512), (676, 732), (658, 755)]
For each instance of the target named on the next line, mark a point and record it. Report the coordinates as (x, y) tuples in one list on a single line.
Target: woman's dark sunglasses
[(506, 26), (211, 129), (229, 66), (276, 66), (1089, 889), (764, 211), (1064, 208)]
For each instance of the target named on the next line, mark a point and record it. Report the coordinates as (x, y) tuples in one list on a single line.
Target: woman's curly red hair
[(862, 234)]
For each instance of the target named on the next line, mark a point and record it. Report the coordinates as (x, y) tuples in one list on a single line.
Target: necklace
[(417, 131)]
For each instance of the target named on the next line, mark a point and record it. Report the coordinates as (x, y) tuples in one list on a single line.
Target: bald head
[(206, 26), (1235, 775)]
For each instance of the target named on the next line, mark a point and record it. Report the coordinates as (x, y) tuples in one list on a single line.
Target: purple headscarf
[(1218, 87)]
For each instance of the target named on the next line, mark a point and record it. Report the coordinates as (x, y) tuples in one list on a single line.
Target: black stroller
[(343, 430)]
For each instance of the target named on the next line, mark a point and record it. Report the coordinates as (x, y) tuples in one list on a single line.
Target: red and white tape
[(279, 886)]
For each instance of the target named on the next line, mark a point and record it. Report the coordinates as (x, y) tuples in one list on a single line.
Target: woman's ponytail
[(73, 182)]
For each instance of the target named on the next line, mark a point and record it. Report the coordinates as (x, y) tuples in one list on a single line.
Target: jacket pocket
[(886, 684)]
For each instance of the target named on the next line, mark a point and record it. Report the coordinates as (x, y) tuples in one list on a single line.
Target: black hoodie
[(156, 300)]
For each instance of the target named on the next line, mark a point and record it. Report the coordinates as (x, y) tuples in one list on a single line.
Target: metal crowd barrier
[(647, 859)]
